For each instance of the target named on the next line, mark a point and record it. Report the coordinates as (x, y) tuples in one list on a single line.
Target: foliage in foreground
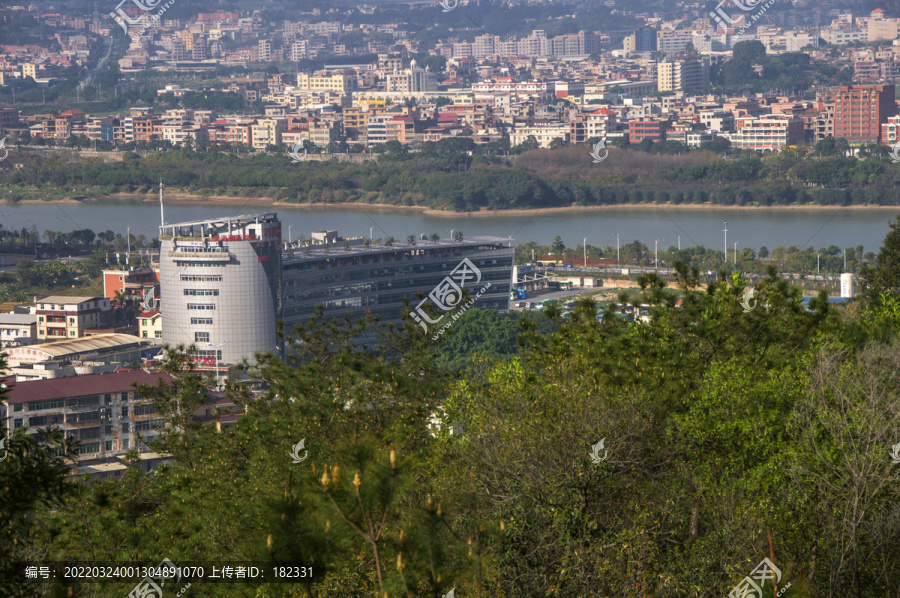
[(731, 437)]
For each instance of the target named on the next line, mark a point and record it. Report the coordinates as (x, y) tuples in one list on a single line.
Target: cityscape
[(449, 298)]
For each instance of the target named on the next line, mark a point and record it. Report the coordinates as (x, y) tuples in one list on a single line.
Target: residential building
[(150, 325), (682, 74), (267, 131), (543, 134), (17, 330), (69, 317), (654, 130), (9, 119), (104, 412), (323, 81), (860, 110), (767, 132)]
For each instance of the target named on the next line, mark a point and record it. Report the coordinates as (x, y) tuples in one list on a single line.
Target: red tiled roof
[(79, 386), (149, 314)]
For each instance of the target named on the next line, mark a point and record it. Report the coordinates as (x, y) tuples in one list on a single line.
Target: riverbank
[(180, 198)]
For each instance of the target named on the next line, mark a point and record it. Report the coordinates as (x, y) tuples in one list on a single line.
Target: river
[(694, 226)]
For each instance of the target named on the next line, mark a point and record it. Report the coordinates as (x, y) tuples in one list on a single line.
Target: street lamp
[(216, 357)]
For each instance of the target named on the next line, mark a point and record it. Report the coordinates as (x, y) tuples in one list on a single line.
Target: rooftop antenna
[(162, 215)]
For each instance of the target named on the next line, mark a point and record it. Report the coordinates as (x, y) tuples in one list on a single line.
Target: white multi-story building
[(768, 132), (267, 131), (544, 135)]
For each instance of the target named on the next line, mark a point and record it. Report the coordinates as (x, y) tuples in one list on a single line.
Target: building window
[(157, 334), (17, 423), (108, 447), (201, 292), (201, 320), (19, 407), (201, 306), (48, 404), (125, 428), (124, 410), (144, 334), (201, 337)]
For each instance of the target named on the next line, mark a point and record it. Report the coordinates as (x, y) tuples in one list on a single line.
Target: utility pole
[(735, 253), (845, 259), (817, 266), (679, 242), (617, 249), (725, 230), (584, 246), (656, 254)]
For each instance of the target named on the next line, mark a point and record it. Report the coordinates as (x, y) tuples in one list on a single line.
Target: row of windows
[(184, 264), (201, 278), (201, 337), (201, 292), (201, 306), (49, 404), (83, 401), (147, 425), (201, 320), (77, 418), (144, 409)]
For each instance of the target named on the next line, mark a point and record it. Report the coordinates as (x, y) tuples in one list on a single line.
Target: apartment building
[(267, 131), (69, 317), (543, 134), (17, 330), (150, 325), (654, 130), (9, 119), (682, 74), (103, 411), (767, 132), (860, 110), (339, 82)]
